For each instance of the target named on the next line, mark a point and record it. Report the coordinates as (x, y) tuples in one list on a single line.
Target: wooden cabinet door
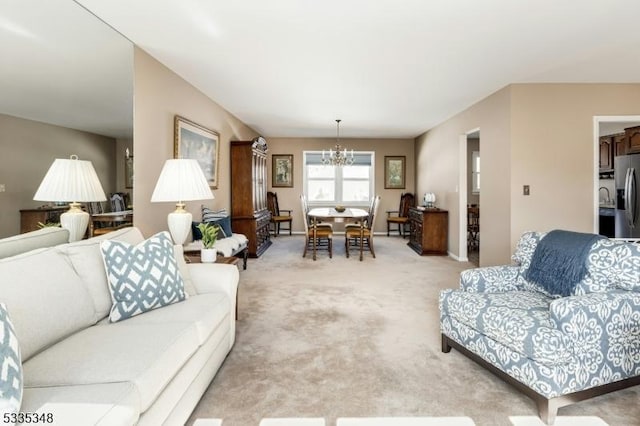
[(606, 150), (619, 145), (632, 135)]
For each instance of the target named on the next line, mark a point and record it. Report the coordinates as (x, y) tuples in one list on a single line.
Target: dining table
[(330, 214), (111, 218)]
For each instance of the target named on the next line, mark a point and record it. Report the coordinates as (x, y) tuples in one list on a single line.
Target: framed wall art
[(282, 171), (199, 143), (394, 172), (128, 171)]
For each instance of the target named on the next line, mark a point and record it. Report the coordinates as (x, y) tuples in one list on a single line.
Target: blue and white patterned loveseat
[(558, 350)]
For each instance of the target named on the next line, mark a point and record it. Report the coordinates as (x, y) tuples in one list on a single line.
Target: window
[(328, 185), (475, 172)]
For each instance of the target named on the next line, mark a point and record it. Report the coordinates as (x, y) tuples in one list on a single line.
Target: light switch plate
[(2, 187), (525, 190)]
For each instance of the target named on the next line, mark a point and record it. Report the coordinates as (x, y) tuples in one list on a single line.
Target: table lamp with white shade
[(74, 181), (181, 180)]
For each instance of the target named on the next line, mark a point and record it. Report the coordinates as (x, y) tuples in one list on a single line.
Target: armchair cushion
[(491, 279), (605, 327), (517, 319)]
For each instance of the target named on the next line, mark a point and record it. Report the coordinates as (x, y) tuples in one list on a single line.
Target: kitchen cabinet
[(632, 136), (606, 153), (619, 145), (249, 213)]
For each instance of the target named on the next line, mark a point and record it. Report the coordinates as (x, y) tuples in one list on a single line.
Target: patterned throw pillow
[(612, 264), (11, 373), (525, 248), (220, 217), (142, 277)]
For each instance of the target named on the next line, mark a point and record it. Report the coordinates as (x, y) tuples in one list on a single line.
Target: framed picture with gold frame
[(199, 143), (282, 171), (394, 172)]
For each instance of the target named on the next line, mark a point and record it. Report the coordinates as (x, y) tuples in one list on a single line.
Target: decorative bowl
[(339, 209)]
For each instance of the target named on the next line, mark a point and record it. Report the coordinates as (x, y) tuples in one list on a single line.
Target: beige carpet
[(343, 338)]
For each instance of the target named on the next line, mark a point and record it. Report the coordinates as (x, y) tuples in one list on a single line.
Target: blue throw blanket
[(559, 261)]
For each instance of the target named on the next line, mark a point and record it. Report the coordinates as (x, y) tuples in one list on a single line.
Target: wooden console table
[(114, 220), (428, 231), (29, 218)]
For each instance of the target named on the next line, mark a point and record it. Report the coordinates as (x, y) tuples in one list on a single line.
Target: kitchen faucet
[(608, 199)]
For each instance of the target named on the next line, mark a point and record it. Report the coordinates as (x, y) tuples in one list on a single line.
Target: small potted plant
[(209, 236)]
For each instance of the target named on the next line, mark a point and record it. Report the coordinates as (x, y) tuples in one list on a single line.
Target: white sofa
[(151, 369)]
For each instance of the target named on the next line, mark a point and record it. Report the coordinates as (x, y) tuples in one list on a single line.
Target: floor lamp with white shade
[(74, 181), (181, 180)]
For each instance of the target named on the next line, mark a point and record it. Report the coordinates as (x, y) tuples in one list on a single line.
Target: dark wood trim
[(547, 408)]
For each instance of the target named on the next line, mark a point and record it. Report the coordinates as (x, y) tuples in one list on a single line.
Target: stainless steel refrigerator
[(627, 176)]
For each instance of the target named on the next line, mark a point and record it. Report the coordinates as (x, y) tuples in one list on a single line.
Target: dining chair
[(118, 201), (473, 228), (357, 223), (352, 234), (305, 210), (278, 215), (324, 234), (400, 217)]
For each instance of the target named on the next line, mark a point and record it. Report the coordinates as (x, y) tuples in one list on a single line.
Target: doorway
[(609, 144), (473, 197)]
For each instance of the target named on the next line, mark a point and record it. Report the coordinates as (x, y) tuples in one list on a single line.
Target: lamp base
[(179, 225), (75, 221)]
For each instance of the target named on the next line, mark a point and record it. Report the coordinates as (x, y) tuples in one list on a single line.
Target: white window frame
[(338, 179), (475, 172)]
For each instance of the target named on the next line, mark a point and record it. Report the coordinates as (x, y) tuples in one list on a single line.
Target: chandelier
[(337, 156)]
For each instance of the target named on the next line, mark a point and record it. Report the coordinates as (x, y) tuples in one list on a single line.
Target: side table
[(194, 257)]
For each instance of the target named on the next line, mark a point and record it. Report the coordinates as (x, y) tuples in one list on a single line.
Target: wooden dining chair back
[(352, 234), (400, 217), (305, 210), (119, 201), (324, 234), (278, 216), (473, 228)]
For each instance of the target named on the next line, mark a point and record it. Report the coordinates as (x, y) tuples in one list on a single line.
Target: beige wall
[(532, 134), (553, 151), (28, 150), (441, 166), (289, 198), (160, 94)]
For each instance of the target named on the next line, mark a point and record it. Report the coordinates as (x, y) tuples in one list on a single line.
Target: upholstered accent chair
[(278, 216), (352, 233), (557, 350), (400, 217)]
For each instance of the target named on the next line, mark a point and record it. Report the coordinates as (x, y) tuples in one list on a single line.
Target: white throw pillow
[(142, 277)]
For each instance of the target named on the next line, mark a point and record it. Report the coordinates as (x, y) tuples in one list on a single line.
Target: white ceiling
[(387, 68), (62, 65)]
